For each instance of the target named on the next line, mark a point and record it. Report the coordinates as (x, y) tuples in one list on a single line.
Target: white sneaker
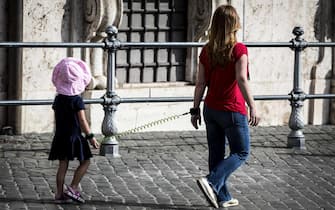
[(208, 191), (231, 202)]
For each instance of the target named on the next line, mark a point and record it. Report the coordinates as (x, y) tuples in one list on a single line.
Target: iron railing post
[(296, 138), (109, 145)]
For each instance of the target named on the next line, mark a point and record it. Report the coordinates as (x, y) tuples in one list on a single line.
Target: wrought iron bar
[(320, 96), (132, 45), (156, 99), (43, 102), (50, 45), (126, 45), (190, 99), (320, 44)]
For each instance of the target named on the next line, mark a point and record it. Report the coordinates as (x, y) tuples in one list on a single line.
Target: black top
[(68, 142), (66, 114)]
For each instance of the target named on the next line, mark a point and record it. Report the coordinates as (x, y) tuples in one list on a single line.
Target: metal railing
[(111, 100)]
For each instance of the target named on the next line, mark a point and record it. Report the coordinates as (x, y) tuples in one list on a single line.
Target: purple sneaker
[(73, 194)]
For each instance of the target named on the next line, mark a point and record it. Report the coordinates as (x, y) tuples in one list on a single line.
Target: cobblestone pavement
[(157, 170)]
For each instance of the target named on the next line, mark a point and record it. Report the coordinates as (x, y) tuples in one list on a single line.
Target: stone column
[(76, 27), (332, 91), (99, 14), (199, 16), (3, 67), (332, 82)]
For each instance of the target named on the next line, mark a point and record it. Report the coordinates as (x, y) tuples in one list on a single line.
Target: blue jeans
[(222, 126)]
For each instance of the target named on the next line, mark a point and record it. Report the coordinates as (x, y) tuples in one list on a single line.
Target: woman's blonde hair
[(222, 35)]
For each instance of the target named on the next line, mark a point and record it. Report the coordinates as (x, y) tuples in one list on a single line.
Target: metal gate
[(152, 21)]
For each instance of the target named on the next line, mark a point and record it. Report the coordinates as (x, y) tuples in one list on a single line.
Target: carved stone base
[(109, 147), (296, 140), (98, 82)]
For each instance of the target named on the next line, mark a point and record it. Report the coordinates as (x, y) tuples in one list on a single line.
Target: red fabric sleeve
[(239, 50)]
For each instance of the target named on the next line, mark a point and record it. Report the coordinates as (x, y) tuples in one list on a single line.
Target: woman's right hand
[(195, 119)]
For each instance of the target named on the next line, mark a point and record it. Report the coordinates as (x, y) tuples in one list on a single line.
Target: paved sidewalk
[(157, 170)]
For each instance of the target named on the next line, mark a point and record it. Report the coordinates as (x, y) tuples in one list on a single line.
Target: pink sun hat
[(71, 76)]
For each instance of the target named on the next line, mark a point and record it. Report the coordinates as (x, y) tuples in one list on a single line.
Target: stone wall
[(271, 69), (43, 21), (3, 64)]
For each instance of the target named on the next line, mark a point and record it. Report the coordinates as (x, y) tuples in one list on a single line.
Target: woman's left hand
[(253, 117)]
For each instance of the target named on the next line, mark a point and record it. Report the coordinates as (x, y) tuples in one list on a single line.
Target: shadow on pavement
[(97, 203), (306, 154)]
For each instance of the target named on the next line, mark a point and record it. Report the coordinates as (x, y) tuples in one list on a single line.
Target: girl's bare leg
[(79, 173), (60, 177)]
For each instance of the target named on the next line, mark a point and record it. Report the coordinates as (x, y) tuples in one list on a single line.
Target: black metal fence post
[(296, 138), (109, 145)]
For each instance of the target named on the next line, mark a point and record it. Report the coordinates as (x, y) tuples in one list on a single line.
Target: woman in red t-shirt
[(223, 70)]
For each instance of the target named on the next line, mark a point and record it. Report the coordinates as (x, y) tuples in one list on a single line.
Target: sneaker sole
[(208, 197), (232, 202)]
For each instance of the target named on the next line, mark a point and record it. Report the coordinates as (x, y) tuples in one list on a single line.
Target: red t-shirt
[(223, 91)]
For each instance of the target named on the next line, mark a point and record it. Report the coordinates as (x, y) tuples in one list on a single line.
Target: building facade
[(25, 73)]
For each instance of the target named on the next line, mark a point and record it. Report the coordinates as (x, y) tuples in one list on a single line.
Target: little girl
[(70, 77)]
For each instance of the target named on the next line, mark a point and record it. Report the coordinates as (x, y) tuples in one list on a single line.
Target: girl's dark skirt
[(70, 148)]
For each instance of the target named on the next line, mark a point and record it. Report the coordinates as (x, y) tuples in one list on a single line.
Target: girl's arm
[(86, 129), (242, 80)]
